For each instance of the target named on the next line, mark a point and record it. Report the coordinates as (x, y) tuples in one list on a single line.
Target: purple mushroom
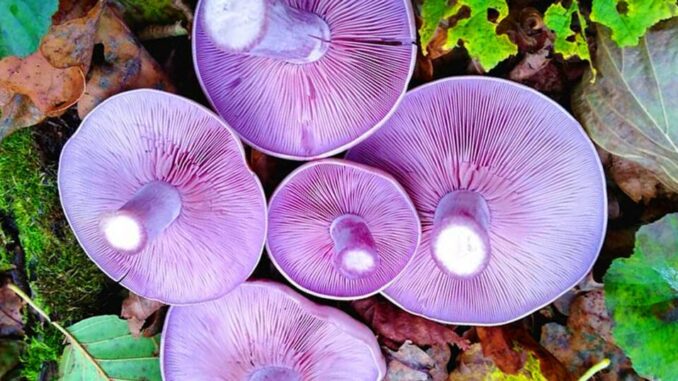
[(263, 331), (341, 230), (510, 192), (158, 193), (304, 79)]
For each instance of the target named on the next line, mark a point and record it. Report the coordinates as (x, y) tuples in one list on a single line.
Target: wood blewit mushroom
[(158, 193), (510, 193), (304, 80)]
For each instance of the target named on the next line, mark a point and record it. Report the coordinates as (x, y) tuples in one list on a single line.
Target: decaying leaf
[(410, 362), (637, 182), (126, 65), (397, 371), (587, 340), (568, 42), (399, 326), (632, 108), (144, 316), (22, 25), (642, 297), (474, 366), (11, 320)]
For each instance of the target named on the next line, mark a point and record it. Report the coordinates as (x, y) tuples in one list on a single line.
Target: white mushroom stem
[(355, 252), (265, 28), (147, 214), (460, 243)]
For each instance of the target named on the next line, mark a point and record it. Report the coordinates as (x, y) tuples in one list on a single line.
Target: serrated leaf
[(632, 108), (111, 349), (630, 19), (568, 43), (22, 25), (642, 296)]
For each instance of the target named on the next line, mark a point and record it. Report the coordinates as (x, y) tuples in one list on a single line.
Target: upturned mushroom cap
[(263, 331), (158, 193), (341, 230), (510, 192), (302, 80)]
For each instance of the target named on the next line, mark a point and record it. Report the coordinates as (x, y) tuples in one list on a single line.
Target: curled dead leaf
[(11, 319), (144, 316)]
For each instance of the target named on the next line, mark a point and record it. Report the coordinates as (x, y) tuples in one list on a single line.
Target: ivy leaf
[(568, 43), (630, 19), (22, 25), (477, 34), (110, 353), (632, 109), (642, 296)]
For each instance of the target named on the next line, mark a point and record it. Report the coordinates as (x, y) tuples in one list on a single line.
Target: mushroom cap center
[(123, 232), (234, 24), (275, 373), (460, 250)]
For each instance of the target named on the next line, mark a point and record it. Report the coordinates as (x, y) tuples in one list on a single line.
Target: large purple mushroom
[(263, 331), (304, 79), (341, 230), (158, 193), (510, 192)]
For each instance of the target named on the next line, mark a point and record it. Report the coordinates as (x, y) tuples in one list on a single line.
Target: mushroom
[(264, 331), (158, 193), (341, 230), (304, 79), (510, 193)]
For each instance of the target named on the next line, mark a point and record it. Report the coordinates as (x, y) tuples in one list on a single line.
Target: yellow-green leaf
[(630, 19)]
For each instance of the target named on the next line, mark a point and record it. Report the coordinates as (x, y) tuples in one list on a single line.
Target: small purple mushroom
[(158, 193), (341, 230), (510, 192), (304, 79), (263, 331)]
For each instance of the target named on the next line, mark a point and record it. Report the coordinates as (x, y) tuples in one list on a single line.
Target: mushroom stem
[(266, 28), (150, 211), (355, 252), (460, 242)]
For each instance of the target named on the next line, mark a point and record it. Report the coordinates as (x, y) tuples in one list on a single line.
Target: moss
[(43, 347)]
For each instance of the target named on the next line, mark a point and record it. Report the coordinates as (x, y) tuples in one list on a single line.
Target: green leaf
[(110, 349), (630, 19), (22, 25), (559, 20), (477, 33), (642, 297), (632, 108)]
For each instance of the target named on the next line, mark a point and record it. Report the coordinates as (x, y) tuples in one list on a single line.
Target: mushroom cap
[(317, 109), (142, 136), (262, 325), (303, 209), (535, 167)]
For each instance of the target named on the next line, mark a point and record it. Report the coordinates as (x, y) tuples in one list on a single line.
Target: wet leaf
[(112, 353), (127, 65), (587, 340), (632, 108), (22, 25), (642, 297), (143, 315), (11, 320), (630, 19), (399, 326)]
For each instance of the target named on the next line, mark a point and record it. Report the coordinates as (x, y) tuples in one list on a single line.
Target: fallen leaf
[(11, 320), (474, 366), (432, 362), (399, 326), (127, 65), (587, 340), (398, 371), (632, 108), (22, 25), (500, 343), (642, 297), (567, 42), (638, 183), (441, 354), (630, 21), (270, 170), (143, 315)]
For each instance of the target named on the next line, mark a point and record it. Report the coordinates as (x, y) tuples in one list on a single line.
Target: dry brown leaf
[(637, 182), (499, 344), (127, 65), (399, 326), (11, 322), (587, 340), (397, 371), (144, 316)]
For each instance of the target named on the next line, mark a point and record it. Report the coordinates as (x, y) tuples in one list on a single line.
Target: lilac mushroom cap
[(510, 193), (158, 193), (341, 230), (304, 79), (264, 331)]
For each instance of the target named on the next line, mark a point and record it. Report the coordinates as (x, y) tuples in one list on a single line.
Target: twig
[(157, 32), (595, 369)]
